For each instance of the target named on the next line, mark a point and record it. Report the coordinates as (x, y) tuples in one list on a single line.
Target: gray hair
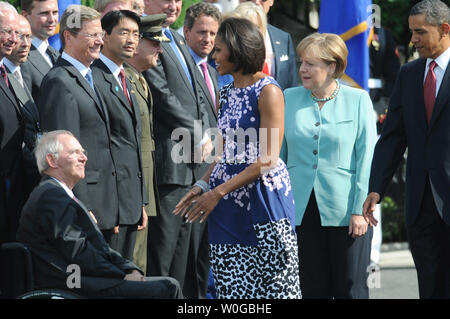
[(4, 7), (48, 144), (436, 12)]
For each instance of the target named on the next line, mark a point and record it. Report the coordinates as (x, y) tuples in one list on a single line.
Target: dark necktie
[(429, 90), (4, 74), (51, 55), (124, 84)]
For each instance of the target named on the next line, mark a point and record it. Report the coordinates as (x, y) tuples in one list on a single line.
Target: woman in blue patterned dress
[(246, 194)]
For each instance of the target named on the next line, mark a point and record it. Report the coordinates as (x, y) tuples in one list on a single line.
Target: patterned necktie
[(124, 84), (4, 74), (51, 55), (429, 90), (208, 80)]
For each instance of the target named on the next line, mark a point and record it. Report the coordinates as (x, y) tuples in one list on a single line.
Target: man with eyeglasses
[(57, 227), (69, 101), (23, 96), (119, 43), (11, 133), (43, 18)]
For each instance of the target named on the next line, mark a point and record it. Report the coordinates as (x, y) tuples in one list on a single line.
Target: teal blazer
[(330, 151)]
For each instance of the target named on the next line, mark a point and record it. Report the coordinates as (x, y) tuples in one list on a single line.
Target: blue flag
[(349, 19), (54, 40)]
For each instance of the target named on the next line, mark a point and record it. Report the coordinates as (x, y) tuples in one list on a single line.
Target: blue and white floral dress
[(253, 245)]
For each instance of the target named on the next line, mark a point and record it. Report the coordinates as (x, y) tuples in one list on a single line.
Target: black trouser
[(151, 288), (429, 241), (122, 242), (332, 263), (176, 248)]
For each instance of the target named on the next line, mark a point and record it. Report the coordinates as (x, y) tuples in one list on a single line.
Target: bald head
[(20, 52)]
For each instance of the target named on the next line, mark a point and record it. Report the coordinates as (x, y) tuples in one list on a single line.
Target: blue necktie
[(88, 77), (175, 49)]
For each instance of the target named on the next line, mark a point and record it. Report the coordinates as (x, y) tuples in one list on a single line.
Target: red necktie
[(4, 74), (207, 80), (429, 90), (124, 84)]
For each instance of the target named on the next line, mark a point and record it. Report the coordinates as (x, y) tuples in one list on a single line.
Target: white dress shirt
[(439, 70), (42, 46)]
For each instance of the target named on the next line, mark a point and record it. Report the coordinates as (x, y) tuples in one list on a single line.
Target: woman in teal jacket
[(328, 144)]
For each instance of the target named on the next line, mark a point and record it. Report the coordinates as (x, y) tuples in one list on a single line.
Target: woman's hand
[(202, 206), (186, 201), (357, 226)]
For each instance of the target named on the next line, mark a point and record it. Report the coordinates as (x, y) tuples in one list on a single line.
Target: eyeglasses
[(93, 35), (134, 35), (9, 32), (22, 36), (78, 152)]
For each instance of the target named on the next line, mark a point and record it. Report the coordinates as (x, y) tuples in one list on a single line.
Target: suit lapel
[(442, 97), (276, 52), (35, 58), (11, 97)]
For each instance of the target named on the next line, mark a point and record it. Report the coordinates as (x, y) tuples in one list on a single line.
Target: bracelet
[(204, 186)]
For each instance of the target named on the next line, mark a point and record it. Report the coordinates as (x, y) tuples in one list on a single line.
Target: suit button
[(317, 124), (314, 166), (315, 152), (113, 173), (316, 137), (139, 175)]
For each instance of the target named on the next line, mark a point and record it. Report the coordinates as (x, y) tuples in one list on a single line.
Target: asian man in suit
[(119, 43), (69, 101), (179, 102), (58, 229), (418, 118), (11, 133), (43, 18)]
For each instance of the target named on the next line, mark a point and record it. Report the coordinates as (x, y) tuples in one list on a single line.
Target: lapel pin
[(116, 88), (277, 42)]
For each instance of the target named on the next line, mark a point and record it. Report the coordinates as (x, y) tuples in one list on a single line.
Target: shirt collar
[(11, 66), (113, 67), (67, 189), (77, 64), (442, 60), (40, 45), (197, 59)]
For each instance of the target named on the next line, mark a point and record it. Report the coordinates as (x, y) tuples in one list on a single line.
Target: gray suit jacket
[(68, 102), (177, 104), (34, 70)]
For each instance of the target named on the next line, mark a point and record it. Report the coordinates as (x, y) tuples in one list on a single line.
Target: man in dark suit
[(30, 113), (120, 41), (11, 133), (69, 101), (145, 57), (60, 232), (279, 47), (43, 18), (179, 102), (201, 24), (418, 118)]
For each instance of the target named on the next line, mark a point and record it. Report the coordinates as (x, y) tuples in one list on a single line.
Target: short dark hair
[(27, 5), (436, 12), (245, 44), (112, 19), (200, 9)]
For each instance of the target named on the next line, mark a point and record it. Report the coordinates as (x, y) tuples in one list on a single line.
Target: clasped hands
[(195, 205)]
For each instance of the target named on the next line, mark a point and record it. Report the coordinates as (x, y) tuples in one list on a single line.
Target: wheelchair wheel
[(49, 294)]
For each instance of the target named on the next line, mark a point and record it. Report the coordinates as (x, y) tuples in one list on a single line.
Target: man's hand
[(144, 220), (134, 276), (369, 207)]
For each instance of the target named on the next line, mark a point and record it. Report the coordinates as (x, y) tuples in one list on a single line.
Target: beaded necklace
[(332, 96)]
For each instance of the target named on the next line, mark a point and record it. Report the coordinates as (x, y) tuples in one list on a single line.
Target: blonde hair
[(328, 47), (250, 11), (72, 19)]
